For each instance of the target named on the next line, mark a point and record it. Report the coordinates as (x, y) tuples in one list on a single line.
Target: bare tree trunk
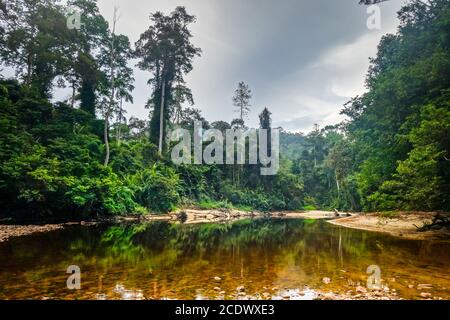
[(105, 137), (120, 123), (29, 69), (242, 112), (73, 93), (111, 98), (338, 186), (161, 117)]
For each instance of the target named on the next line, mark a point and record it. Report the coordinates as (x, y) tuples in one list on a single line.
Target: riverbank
[(401, 224), (10, 231), (187, 216), (196, 216), (191, 216)]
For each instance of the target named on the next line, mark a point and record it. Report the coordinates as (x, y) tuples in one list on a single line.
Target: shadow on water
[(175, 261)]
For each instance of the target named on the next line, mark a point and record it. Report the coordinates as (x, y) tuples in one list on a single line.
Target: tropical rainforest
[(83, 158)]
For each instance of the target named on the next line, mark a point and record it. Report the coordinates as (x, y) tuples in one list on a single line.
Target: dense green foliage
[(52, 166), (63, 160), (393, 152), (399, 129)]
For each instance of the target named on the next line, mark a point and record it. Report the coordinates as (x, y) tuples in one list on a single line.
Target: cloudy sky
[(303, 59)]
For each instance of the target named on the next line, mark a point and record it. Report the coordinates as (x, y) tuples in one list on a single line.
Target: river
[(259, 258)]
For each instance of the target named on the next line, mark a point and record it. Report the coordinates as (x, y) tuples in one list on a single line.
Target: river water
[(263, 258)]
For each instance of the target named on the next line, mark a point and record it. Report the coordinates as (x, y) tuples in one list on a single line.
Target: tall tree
[(265, 122), (88, 40), (118, 78), (31, 41), (316, 138), (241, 100), (165, 49)]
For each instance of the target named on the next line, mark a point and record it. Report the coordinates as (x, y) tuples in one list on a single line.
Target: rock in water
[(361, 289)]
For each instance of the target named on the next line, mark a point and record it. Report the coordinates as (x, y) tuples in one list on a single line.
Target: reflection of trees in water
[(264, 249), (166, 244), (301, 239), (161, 256)]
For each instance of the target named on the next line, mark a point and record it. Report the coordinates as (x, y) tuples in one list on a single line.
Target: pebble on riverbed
[(240, 289), (361, 289), (424, 286), (425, 295)]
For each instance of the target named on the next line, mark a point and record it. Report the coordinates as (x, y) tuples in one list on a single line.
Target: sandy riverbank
[(402, 224), (208, 216), (195, 216), (9, 231)]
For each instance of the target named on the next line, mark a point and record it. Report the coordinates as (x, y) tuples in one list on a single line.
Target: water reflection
[(258, 258)]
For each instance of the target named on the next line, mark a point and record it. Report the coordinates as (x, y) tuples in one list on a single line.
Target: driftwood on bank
[(438, 222)]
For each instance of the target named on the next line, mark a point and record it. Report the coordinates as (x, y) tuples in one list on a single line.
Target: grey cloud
[(284, 49)]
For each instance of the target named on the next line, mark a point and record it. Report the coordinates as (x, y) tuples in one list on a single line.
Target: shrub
[(157, 188)]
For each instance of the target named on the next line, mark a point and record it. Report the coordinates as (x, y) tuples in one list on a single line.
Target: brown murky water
[(266, 257)]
